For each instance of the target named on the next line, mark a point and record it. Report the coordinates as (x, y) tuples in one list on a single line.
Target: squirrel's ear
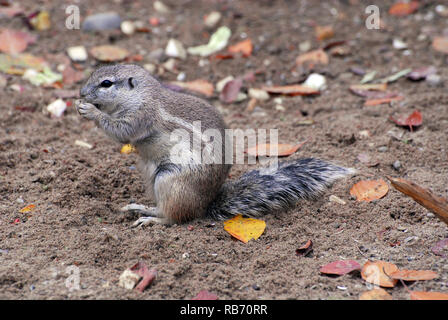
[(132, 83)]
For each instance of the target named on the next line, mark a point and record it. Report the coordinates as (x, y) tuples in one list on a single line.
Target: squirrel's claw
[(143, 221)]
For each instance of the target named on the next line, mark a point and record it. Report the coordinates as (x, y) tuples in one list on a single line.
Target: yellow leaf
[(244, 229), (28, 208), (127, 149)]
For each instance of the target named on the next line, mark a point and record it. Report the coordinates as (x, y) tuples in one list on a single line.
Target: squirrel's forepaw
[(87, 110)]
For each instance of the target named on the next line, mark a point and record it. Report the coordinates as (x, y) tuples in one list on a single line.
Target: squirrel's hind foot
[(139, 209), (144, 221)]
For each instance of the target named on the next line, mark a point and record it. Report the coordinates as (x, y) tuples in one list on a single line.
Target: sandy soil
[(78, 192)]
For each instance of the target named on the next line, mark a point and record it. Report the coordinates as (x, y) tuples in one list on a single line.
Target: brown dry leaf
[(305, 249), (283, 149), (440, 44), (71, 75), (424, 295), (414, 275), (324, 32), (340, 267), (292, 90), (375, 294), (377, 273), (108, 53), (201, 86), (415, 119), (403, 8), (375, 102), (368, 190), (231, 90), (314, 57), (14, 42), (148, 276), (245, 47)]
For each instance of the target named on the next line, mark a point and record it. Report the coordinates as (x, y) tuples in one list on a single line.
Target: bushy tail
[(257, 192)]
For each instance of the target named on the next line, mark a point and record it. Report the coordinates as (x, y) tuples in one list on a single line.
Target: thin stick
[(435, 204)]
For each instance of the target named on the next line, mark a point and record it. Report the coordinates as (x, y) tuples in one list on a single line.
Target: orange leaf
[(340, 267), (305, 249), (127, 149), (403, 8), (377, 273), (201, 86), (315, 57), (283, 149), (375, 102), (244, 229), (28, 208), (245, 47), (293, 90), (324, 32), (413, 120), (440, 44), (375, 294), (368, 190), (414, 275), (423, 295)]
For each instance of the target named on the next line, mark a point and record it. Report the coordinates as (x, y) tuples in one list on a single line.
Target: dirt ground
[(77, 192)]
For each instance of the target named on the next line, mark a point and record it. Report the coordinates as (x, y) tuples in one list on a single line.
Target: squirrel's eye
[(106, 84)]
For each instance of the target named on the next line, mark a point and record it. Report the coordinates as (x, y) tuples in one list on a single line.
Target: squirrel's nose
[(83, 92)]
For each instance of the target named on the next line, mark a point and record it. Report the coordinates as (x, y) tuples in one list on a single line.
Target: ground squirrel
[(133, 107)]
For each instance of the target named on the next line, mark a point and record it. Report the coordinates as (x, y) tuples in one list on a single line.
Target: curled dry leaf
[(200, 86), (414, 275), (205, 295), (375, 294), (245, 47), (292, 90), (415, 119), (279, 150), (108, 53), (421, 73), (244, 229), (305, 249), (28, 208), (377, 273), (340, 267), (368, 190), (231, 90), (324, 32), (403, 8), (423, 295)]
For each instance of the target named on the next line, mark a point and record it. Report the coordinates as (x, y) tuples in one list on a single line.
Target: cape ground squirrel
[(133, 107)]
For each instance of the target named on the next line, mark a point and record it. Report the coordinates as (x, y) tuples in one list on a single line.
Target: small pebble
[(175, 49), (185, 255), (212, 19), (258, 94), (127, 27), (397, 165), (102, 21), (433, 80), (77, 53), (383, 149)]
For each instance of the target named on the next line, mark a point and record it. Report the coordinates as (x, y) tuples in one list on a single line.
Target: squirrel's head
[(117, 85)]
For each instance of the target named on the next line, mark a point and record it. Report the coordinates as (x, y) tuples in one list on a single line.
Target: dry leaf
[(70, 75), (369, 87), (200, 86), (292, 90), (340, 267), (28, 208), (127, 149), (205, 295), (368, 190), (314, 57), (244, 229), (245, 47), (414, 275), (440, 44), (283, 149), (403, 8), (324, 32), (375, 294), (148, 276), (377, 273), (231, 90), (14, 42), (439, 246), (423, 295), (413, 120), (109, 53), (421, 73), (305, 249), (375, 102)]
